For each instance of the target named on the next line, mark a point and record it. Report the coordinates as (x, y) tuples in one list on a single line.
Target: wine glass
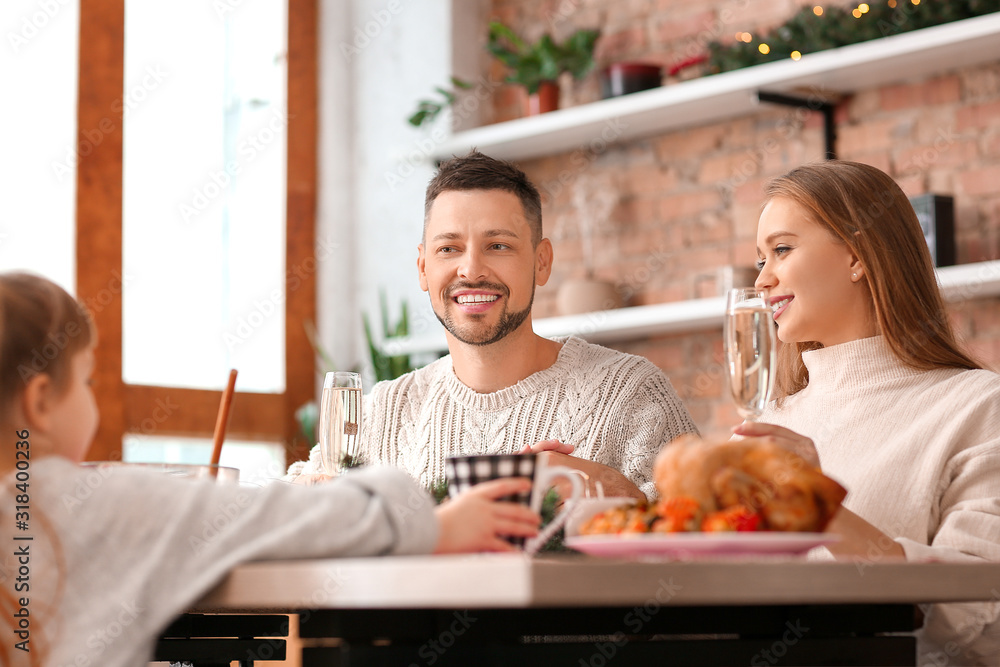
[(750, 343), (339, 420)]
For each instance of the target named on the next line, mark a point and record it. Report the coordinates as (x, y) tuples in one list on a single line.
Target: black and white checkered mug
[(464, 472)]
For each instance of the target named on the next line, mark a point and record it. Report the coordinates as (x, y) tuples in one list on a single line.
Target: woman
[(872, 385)]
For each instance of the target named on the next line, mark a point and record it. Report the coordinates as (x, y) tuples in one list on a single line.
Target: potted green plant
[(537, 66)]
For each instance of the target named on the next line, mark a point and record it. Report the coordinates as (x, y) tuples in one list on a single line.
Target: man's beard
[(509, 321)]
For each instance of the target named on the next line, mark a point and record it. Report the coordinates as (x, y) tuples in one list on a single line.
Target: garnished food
[(673, 515), (677, 515), (737, 519), (734, 485)]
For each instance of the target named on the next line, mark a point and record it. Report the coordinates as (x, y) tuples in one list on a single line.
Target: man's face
[(478, 265)]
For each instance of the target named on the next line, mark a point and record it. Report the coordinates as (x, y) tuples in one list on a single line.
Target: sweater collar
[(497, 400), (854, 364)]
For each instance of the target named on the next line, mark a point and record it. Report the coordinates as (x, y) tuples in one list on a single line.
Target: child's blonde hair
[(41, 328)]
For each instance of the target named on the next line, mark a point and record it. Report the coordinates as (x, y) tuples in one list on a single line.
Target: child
[(131, 550)]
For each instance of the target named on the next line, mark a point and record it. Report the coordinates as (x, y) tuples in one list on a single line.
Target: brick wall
[(664, 212)]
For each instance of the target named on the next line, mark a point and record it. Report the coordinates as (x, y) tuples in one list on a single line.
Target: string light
[(832, 30)]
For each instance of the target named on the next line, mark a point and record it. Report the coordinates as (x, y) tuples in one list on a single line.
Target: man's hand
[(612, 482), (476, 521), (548, 446)]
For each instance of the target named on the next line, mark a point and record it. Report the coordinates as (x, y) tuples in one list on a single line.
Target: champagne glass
[(339, 420), (750, 343)]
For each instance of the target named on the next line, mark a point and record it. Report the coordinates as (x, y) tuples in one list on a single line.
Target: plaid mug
[(464, 472)]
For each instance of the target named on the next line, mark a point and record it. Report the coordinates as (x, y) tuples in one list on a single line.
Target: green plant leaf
[(428, 110), (544, 60), (578, 52), (379, 362), (387, 367), (499, 32), (384, 311), (446, 94)]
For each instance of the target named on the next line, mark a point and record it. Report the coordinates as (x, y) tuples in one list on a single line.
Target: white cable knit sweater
[(617, 409), (919, 452)]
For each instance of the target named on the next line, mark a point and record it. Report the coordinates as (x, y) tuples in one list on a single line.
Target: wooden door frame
[(99, 277)]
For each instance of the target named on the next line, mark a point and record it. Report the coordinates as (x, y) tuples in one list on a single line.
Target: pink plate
[(688, 545)]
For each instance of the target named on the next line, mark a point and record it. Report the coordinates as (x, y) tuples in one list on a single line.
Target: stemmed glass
[(750, 343), (339, 420)]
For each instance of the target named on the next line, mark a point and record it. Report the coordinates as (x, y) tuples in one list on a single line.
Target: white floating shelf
[(897, 59), (958, 283)]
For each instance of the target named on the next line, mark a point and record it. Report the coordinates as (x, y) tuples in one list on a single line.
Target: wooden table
[(511, 610)]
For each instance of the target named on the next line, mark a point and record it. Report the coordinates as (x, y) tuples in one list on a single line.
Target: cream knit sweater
[(617, 409), (919, 452)]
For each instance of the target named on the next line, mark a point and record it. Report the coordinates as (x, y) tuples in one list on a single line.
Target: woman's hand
[(860, 538), (476, 521), (548, 446), (781, 436)]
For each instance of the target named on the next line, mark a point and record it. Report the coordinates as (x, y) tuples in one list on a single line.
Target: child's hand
[(475, 521)]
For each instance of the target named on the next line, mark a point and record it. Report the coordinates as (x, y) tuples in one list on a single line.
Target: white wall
[(378, 57)]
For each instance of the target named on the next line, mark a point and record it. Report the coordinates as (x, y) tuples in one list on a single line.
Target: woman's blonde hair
[(865, 209), (41, 328)]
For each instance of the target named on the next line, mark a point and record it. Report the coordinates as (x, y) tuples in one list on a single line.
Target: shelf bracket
[(824, 107)]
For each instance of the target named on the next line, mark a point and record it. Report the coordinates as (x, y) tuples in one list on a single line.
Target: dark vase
[(624, 78)]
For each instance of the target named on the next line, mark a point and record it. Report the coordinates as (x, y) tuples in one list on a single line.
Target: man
[(504, 389)]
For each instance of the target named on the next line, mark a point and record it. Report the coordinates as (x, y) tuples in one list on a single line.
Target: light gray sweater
[(116, 556), (615, 408), (919, 453)]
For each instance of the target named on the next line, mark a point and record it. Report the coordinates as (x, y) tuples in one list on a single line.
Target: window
[(38, 172), (168, 73), (204, 194)]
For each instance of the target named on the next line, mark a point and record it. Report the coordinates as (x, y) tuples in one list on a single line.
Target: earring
[(854, 275)]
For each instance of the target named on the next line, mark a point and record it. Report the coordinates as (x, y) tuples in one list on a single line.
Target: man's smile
[(474, 300)]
